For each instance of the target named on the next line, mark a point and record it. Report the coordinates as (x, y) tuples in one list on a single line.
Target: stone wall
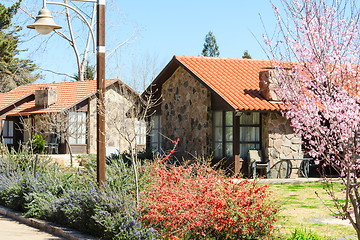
[(119, 128), (186, 114), (279, 142)]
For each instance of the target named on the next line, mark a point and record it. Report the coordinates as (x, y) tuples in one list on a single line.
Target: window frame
[(256, 125), (78, 137), (155, 131), (224, 141), (140, 132), (9, 134)]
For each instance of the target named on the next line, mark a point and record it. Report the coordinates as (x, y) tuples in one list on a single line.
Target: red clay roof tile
[(235, 80), (68, 94)]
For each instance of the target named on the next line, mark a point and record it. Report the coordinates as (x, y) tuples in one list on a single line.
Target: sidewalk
[(11, 229), (13, 226), (285, 180)]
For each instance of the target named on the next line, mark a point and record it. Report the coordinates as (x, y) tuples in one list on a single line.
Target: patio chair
[(53, 145), (256, 162)]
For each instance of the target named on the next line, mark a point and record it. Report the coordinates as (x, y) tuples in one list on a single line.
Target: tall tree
[(319, 85), (13, 71), (246, 55), (211, 49), (89, 73)]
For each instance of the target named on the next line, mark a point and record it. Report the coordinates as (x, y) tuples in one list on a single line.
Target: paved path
[(13, 230)]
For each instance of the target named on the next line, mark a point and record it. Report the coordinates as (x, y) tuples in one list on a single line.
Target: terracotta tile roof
[(7, 99), (235, 80), (68, 94)]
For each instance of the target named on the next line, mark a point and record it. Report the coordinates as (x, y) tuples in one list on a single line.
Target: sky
[(162, 29)]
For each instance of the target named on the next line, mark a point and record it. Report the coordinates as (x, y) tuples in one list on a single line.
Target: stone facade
[(119, 128), (186, 114), (45, 97), (279, 141)]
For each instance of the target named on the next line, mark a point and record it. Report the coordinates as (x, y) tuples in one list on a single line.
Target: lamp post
[(45, 24)]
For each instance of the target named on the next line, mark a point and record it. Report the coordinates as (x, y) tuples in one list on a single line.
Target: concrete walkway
[(11, 229), (284, 180), (14, 226)]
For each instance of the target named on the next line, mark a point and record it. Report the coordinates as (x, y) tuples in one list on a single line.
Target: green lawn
[(300, 204)]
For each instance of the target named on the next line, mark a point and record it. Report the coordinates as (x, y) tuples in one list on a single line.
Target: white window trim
[(78, 125)]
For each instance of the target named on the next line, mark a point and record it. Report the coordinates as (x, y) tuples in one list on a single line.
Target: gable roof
[(68, 95), (234, 80)]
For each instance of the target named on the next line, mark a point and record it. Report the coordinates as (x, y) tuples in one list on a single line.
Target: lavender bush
[(71, 198)]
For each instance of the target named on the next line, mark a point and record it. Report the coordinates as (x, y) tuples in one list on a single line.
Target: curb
[(290, 180), (46, 226), (287, 180)]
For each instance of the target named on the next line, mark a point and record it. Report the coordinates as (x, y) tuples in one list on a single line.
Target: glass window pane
[(82, 139), (249, 134), (154, 138), (250, 118), (228, 118), (244, 148), (218, 136), (5, 128), (77, 128), (8, 141), (72, 140), (154, 147), (8, 128), (155, 123), (228, 149), (228, 134), (217, 118), (218, 151), (11, 129)]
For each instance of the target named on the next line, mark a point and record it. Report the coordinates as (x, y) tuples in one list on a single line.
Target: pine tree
[(211, 49), (13, 71), (246, 55), (89, 73)]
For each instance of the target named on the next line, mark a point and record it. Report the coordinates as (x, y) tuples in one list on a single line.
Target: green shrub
[(38, 144), (300, 234)]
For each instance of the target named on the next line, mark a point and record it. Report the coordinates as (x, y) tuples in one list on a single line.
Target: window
[(140, 131), (77, 128), (8, 131), (249, 133), (155, 134), (223, 134)]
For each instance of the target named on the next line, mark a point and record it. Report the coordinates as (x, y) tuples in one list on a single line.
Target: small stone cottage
[(66, 112), (220, 108)]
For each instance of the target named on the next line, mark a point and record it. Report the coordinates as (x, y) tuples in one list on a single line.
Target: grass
[(300, 203)]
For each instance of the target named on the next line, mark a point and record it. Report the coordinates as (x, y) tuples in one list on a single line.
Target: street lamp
[(45, 24)]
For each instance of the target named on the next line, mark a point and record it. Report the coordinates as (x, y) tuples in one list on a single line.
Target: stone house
[(66, 111), (220, 108)]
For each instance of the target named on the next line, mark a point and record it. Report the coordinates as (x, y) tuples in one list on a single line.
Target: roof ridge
[(221, 58), (34, 85)]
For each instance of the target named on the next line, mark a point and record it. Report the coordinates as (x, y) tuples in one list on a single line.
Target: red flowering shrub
[(195, 202)]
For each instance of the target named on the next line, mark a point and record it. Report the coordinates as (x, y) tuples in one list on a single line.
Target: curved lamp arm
[(82, 16)]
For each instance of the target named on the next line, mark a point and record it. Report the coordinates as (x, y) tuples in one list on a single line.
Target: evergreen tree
[(13, 71), (89, 73), (211, 49), (246, 55)]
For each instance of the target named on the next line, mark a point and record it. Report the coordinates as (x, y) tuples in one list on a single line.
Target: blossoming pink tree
[(316, 59)]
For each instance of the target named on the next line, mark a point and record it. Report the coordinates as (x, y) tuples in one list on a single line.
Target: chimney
[(267, 86), (45, 96)]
